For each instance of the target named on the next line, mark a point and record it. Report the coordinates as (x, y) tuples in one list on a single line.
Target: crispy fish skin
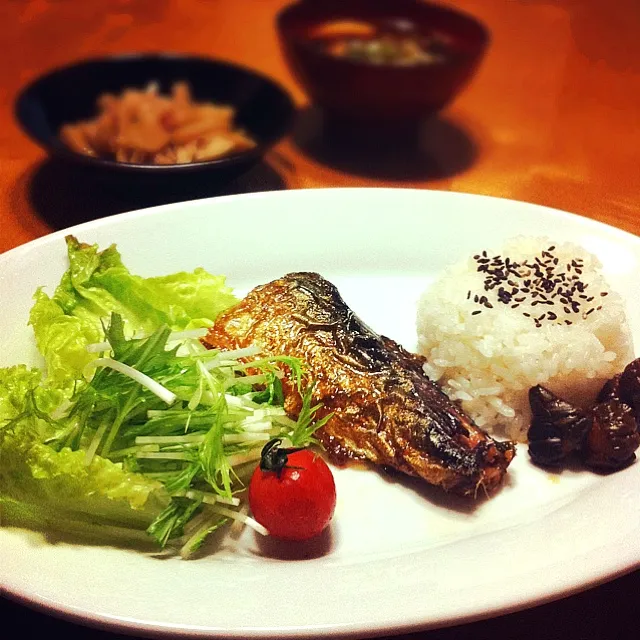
[(385, 410)]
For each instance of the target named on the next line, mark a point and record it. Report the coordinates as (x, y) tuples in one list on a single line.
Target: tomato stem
[(274, 457)]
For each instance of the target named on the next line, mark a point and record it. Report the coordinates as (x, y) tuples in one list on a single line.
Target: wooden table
[(552, 117)]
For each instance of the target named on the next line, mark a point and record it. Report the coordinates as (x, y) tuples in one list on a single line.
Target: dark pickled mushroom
[(557, 427), (613, 438), (630, 387), (610, 389)]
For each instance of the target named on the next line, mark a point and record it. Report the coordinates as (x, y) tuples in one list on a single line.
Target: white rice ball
[(532, 312)]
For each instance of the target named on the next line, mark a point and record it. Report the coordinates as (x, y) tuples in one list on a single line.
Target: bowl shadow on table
[(437, 148), (64, 195)]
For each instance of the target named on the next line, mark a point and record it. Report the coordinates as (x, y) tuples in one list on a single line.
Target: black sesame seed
[(539, 280), (475, 313)]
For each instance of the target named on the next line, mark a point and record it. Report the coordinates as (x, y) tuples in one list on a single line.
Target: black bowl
[(68, 94)]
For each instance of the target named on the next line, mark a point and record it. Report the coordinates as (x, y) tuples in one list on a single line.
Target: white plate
[(397, 558)]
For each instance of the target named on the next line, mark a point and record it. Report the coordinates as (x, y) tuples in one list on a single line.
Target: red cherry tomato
[(292, 492)]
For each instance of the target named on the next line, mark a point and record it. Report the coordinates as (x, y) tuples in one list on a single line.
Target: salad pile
[(133, 431)]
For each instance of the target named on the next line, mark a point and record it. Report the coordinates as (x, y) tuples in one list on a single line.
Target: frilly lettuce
[(16, 383), (35, 474), (98, 284), (62, 339), (40, 485)]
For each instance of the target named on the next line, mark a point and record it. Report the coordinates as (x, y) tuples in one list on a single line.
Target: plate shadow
[(435, 496)]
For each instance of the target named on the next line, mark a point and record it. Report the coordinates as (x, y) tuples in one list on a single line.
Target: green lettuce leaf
[(62, 339), (45, 481), (98, 284), (17, 385), (46, 488)]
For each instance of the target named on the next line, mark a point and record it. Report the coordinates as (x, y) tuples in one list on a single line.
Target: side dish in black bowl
[(149, 116)]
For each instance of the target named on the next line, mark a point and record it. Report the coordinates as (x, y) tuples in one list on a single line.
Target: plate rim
[(114, 624), (286, 193)]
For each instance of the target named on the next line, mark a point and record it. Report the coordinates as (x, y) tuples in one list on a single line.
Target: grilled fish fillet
[(385, 410)]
